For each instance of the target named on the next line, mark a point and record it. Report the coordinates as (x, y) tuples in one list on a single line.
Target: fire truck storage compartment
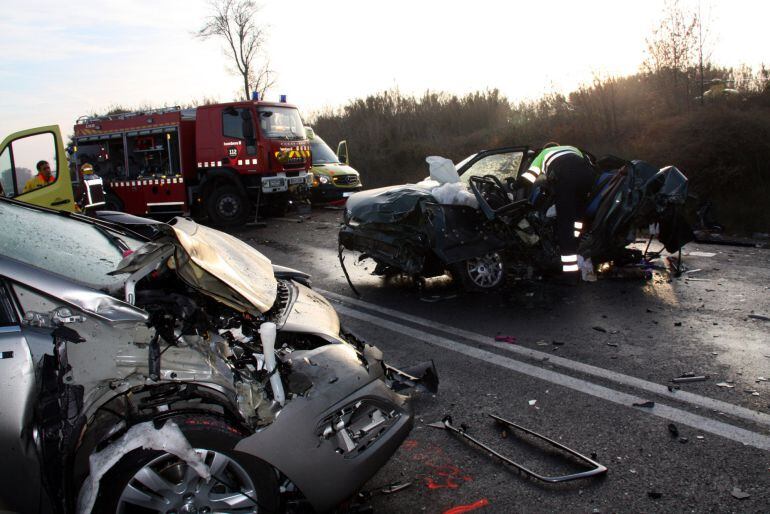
[(141, 167)]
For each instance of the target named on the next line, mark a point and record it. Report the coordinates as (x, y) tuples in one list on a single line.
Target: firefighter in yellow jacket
[(42, 179)]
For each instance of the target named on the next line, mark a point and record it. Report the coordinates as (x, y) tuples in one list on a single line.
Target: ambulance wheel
[(227, 206), (112, 203), (484, 273)]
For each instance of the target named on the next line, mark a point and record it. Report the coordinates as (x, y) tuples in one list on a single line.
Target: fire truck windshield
[(281, 123)]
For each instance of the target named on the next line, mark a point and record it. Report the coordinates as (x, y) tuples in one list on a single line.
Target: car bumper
[(303, 442), (330, 193)]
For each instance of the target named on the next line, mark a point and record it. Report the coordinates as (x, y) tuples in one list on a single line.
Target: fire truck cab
[(218, 161)]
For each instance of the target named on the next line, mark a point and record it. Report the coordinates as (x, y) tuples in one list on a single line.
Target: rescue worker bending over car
[(568, 175)]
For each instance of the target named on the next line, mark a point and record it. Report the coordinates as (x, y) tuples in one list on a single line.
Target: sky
[(61, 60)]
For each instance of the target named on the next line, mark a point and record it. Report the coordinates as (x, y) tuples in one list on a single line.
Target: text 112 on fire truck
[(218, 160)]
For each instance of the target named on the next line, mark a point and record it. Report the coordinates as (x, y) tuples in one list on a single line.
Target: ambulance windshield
[(281, 123)]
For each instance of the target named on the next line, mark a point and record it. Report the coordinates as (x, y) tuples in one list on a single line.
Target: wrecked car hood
[(225, 258), (217, 264), (386, 204)]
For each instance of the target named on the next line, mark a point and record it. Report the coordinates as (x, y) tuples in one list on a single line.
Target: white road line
[(620, 378), (696, 421)]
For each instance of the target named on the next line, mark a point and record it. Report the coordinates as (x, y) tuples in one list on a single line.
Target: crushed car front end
[(197, 335)]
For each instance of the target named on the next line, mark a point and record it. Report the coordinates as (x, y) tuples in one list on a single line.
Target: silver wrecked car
[(180, 374)]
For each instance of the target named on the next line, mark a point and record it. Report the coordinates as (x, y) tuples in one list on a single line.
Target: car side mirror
[(342, 152)]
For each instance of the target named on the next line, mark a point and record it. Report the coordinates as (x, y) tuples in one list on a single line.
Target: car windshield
[(281, 123), (322, 154), (502, 165), (73, 249)]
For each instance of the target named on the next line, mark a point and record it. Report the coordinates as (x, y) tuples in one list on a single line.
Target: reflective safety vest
[(545, 158), (92, 192)]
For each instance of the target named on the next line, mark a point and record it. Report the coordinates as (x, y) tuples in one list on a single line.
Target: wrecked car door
[(17, 403)]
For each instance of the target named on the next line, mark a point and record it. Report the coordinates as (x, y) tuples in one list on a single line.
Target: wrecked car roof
[(386, 204)]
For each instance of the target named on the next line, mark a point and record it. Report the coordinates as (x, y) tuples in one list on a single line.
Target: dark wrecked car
[(508, 230), (182, 374)]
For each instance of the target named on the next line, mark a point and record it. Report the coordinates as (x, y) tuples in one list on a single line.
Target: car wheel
[(227, 206), (485, 273), (150, 481)]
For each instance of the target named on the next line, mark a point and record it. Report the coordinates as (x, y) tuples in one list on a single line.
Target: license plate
[(346, 194), (296, 180)]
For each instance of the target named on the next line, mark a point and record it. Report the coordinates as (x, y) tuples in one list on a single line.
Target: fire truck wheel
[(112, 203), (227, 206)]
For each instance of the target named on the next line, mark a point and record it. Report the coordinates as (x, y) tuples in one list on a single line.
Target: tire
[(226, 206), (112, 203), (480, 274), (122, 492)]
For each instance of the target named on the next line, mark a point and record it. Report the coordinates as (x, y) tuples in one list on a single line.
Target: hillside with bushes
[(721, 140)]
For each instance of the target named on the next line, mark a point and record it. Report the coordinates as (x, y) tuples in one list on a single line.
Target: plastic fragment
[(599, 329), (725, 384), (738, 494), (759, 317), (505, 339), (532, 402), (646, 405)]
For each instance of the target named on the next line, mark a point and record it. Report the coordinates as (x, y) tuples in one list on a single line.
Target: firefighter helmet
[(86, 169)]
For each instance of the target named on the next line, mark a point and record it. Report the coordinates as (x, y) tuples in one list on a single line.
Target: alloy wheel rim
[(486, 271), (168, 485)]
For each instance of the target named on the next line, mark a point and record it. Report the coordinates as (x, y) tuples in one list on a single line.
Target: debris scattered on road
[(612, 344), (761, 379), (759, 317), (505, 339), (557, 343), (701, 254), (438, 297), (683, 440), (677, 323), (646, 405), (685, 379), (699, 437), (726, 385), (387, 489), (673, 430), (600, 329), (542, 343), (532, 403), (738, 494), (655, 495), (673, 389), (691, 271)]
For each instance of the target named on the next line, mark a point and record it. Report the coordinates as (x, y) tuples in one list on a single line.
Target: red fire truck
[(218, 161)]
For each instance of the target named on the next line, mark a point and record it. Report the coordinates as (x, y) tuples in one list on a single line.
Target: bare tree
[(235, 21), (673, 50)]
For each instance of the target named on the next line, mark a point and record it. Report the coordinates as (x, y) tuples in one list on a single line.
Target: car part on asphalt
[(194, 329), (596, 469), (694, 378)]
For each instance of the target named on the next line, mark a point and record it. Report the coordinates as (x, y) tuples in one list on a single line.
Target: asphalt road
[(581, 358)]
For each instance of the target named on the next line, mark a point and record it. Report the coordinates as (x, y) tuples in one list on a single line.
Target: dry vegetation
[(721, 140)]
